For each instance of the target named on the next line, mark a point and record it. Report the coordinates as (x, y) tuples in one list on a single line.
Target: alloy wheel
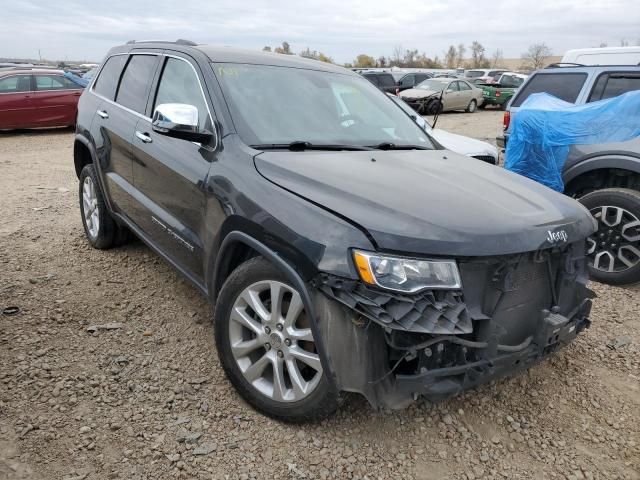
[(272, 342), (615, 247), (91, 212)]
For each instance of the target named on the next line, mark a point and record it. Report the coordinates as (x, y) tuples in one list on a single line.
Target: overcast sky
[(342, 29)]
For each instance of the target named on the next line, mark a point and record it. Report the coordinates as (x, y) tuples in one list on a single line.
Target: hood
[(431, 202), (417, 93), (463, 145)]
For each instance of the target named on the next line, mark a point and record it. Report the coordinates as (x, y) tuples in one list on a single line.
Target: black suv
[(606, 177), (343, 248)]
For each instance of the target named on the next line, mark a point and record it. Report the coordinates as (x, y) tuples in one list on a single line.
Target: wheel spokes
[(308, 358), (243, 318)]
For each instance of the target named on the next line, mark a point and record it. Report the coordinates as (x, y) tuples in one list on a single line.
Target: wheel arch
[(83, 154), (236, 242), (602, 172)]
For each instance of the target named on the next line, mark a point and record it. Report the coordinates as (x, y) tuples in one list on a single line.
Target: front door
[(170, 174)]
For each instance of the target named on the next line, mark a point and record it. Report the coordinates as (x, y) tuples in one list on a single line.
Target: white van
[(603, 56)]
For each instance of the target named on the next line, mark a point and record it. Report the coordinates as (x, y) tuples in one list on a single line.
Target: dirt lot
[(148, 399)]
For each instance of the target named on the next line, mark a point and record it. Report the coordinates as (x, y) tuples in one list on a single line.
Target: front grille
[(486, 158)]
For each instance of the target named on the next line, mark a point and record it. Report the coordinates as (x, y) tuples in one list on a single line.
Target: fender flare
[(617, 160), (94, 159), (291, 274)]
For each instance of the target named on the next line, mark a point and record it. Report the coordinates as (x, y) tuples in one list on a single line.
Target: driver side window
[(179, 84)]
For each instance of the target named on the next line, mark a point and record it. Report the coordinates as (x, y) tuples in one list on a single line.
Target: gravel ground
[(109, 371)]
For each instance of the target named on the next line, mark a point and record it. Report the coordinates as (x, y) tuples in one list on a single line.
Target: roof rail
[(180, 41), (565, 64)]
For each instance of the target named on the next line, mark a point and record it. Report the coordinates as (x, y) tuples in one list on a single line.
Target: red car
[(37, 98)]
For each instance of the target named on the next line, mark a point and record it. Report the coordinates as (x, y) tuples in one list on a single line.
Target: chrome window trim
[(144, 117)]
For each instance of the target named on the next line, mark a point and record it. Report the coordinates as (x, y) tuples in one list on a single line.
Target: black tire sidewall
[(107, 227), (321, 403), (618, 197), (475, 106)]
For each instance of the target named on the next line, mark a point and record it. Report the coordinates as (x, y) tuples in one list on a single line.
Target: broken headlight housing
[(406, 274)]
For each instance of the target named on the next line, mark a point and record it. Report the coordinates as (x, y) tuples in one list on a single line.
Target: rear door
[(15, 101), (466, 94), (123, 84), (54, 100), (170, 173)]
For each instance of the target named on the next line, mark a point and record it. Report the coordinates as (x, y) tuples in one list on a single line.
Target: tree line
[(453, 57)]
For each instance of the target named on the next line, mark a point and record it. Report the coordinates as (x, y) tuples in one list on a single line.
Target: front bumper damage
[(512, 312)]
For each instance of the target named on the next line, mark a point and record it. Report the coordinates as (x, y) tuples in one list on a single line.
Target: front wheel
[(473, 105), (266, 345), (100, 229), (614, 250)]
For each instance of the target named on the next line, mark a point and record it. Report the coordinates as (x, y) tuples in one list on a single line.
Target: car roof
[(589, 68), (236, 55), (23, 71)]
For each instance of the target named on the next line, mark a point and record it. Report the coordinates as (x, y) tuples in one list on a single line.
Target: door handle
[(144, 137), (102, 114)]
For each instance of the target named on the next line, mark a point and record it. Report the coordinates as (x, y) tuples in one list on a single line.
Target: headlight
[(406, 274)]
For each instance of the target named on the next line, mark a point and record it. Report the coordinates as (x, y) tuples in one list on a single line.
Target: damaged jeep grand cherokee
[(343, 248)]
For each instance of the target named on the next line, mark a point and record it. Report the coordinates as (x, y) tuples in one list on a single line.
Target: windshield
[(510, 80), (281, 105), (474, 73), (433, 85)]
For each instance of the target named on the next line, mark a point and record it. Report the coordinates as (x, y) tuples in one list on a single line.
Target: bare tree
[(382, 61), (286, 49), (497, 58), (460, 54), (266, 49), (478, 59), (451, 57), (536, 56), (396, 55)]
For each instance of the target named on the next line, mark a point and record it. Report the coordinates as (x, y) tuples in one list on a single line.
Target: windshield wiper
[(393, 146), (299, 146)]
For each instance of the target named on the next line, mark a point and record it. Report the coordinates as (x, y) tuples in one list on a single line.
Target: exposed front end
[(510, 312)]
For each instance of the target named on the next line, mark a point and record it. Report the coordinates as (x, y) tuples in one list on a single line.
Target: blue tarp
[(83, 82), (545, 127)]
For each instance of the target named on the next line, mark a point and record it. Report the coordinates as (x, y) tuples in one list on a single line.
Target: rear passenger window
[(54, 82), (17, 84), (565, 86), (372, 78), (386, 81), (464, 86), (614, 84), (107, 82), (137, 76)]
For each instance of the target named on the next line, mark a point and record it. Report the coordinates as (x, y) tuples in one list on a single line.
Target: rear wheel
[(266, 345), (614, 250), (472, 107)]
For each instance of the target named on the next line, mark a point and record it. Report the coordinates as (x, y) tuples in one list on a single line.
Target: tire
[(107, 234), (433, 107), (251, 346), (472, 107), (614, 250)]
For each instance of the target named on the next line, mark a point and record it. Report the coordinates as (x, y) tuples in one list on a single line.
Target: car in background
[(605, 177), (603, 56), (446, 75), (500, 92), (484, 75), (34, 98), (443, 95), (410, 80), (456, 143), (383, 80)]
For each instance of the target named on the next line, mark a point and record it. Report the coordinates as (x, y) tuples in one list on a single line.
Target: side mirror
[(179, 120)]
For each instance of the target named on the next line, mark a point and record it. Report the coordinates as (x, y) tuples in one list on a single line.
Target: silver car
[(456, 95)]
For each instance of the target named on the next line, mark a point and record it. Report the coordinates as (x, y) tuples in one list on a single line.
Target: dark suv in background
[(344, 250), (605, 177)]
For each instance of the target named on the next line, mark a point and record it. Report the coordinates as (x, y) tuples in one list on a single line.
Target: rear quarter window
[(107, 82), (565, 86), (386, 81), (611, 85)]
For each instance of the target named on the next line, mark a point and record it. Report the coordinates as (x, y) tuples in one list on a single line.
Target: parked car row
[(606, 177), (33, 98)]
